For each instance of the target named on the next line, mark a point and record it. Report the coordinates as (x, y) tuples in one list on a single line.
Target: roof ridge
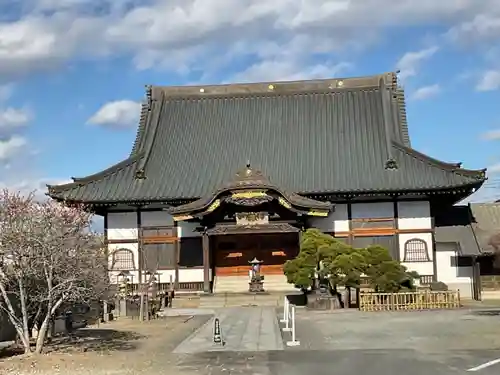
[(140, 129), (151, 137), (145, 109), (400, 99), (253, 88), (97, 176), (450, 167)]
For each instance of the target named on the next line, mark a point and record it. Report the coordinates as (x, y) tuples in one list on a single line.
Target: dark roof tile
[(487, 225), (307, 137)]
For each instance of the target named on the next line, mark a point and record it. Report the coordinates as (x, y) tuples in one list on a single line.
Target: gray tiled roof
[(324, 136), (486, 225), (474, 228), (462, 235)]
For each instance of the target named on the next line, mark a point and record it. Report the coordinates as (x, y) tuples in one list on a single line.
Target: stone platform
[(250, 329)]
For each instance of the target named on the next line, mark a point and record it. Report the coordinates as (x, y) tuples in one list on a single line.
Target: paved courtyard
[(242, 329), (349, 342), (441, 342), (344, 342)]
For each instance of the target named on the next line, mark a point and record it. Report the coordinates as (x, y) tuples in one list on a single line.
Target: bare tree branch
[(48, 258)]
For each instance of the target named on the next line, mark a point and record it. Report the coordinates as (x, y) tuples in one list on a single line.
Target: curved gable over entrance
[(250, 188)]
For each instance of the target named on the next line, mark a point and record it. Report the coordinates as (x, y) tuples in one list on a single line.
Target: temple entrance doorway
[(232, 253)]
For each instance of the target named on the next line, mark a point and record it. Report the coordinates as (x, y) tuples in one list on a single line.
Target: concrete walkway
[(244, 329)]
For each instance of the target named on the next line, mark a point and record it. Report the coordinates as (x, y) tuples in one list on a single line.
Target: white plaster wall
[(372, 210), (457, 278), (122, 225), (130, 246), (156, 219), (186, 229), (336, 221), (422, 268), (414, 215), (341, 218), (165, 276), (185, 275), (190, 275)]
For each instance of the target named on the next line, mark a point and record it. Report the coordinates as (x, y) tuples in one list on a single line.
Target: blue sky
[(72, 72)]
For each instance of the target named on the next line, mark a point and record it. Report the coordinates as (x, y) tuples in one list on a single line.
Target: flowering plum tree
[(48, 258)]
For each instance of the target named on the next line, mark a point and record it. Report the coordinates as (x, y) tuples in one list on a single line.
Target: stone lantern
[(123, 292), (256, 284)]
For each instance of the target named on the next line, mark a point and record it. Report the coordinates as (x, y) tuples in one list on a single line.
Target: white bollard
[(287, 318), (285, 311), (294, 341)]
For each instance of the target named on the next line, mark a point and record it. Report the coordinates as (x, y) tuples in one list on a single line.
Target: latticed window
[(416, 251), (123, 260), (426, 279)]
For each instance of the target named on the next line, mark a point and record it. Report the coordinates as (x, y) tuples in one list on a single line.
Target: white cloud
[(37, 186), (270, 70), (120, 113), (481, 27), (12, 119), (489, 192), (489, 81), (410, 62), (491, 135), (196, 31), (426, 92), (494, 168), (11, 147)]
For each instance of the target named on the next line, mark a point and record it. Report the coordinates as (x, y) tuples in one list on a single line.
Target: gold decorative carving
[(182, 217), (284, 202), (278, 254), (214, 205), (252, 218), (318, 213), (247, 194)]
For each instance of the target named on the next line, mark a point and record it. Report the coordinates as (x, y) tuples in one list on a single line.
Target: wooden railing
[(406, 301)]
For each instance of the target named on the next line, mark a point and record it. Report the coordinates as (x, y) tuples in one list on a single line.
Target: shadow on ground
[(88, 340), (326, 362), (11, 351), (488, 312)]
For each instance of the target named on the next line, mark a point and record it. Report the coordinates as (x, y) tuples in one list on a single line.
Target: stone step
[(186, 301), (240, 283), (241, 299)]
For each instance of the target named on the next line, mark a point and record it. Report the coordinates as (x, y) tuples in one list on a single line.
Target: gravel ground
[(122, 347)]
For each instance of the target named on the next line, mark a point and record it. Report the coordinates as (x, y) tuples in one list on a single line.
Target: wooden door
[(229, 263), (234, 253), (275, 250)]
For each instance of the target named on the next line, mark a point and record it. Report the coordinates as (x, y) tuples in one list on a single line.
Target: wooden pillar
[(396, 227), (140, 286), (434, 249), (177, 255), (476, 279), (350, 238), (206, 263)]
